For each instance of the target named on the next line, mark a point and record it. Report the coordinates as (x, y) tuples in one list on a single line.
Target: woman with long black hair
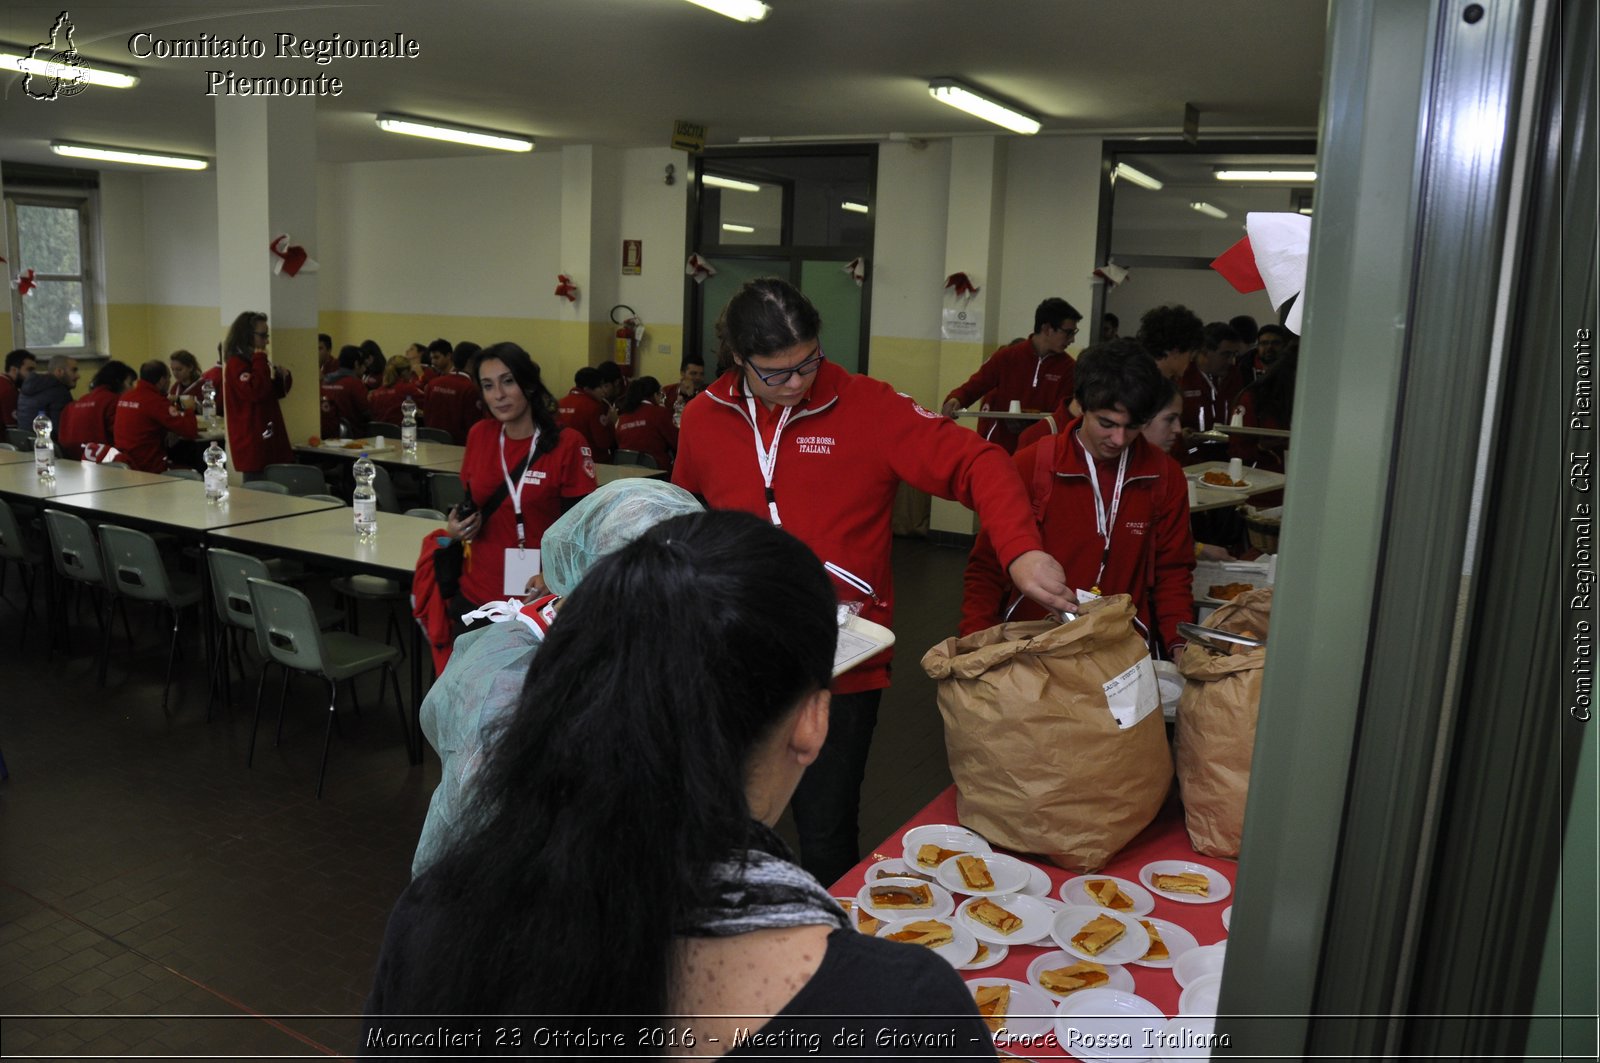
[(625, 863)]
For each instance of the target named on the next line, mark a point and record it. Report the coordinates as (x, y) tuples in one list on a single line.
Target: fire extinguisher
[(630, 332)]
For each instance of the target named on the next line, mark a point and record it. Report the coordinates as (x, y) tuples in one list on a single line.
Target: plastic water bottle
[(408, 427), (208, 403), (44, 451), (365, 499), (216, 475)]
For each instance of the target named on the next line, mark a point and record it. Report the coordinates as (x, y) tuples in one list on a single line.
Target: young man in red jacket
[(88, 424), (344, 396), (144, 417), (819, 451), (451, 401), (585, 409), (1113, 508), (1036, 372)]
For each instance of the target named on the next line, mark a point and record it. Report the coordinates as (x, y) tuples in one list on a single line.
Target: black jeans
[(827, 802)]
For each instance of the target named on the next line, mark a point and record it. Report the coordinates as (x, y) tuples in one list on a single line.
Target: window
[(50, 235)]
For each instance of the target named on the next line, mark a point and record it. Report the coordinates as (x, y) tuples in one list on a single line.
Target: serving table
[(1206, 497)]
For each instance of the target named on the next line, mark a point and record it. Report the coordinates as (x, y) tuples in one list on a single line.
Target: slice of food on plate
[(929, 933), (1158, 948), (895, 895), (1095, 935), (1084, 975), (1183, 882), (981, 955), (992, 915), (1108, 894), (974, 872), (931, 855), (993, 1000)]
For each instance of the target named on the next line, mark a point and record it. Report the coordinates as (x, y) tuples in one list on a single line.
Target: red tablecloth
[(1164, 839)]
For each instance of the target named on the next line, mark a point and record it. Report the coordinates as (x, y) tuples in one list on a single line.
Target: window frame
[(86, 203)]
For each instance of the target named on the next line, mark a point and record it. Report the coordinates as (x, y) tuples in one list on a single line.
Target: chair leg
[(327, 735), (105, 642), (400, 706), (172, 658), (126, 630), (255, 724), (283, 696)]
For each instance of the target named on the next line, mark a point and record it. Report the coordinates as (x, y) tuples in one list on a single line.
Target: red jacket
[(1152, 551), (844, 452), (214, 374), (582, 412), (1207, 402), (1016, 372), (90, 419), (344, 398), (256, 433), (8, 401), (144, 417), (385, 402), (451, 402), (649, 430)]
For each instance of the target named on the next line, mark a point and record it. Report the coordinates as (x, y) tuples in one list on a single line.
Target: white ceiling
[(619, 72)]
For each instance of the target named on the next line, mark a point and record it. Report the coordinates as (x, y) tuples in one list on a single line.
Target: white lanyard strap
[(515, 489), (767, 457), (1105, 520)]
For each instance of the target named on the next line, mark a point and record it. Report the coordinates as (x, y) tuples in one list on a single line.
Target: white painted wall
[(909, 239), (656, 213), (179, 253), (122, 238), (1052, 206)]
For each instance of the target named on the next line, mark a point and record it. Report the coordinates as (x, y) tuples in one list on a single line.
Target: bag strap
[(501, 493)]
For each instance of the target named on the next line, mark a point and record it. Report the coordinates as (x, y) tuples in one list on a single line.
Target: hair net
[(610, 518)]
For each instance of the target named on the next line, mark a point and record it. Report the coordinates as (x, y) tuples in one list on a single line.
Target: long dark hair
[(525, 371), (1274, 389), (765, 316), (241, 341), (118, 376), (639, 392), (610, 791)]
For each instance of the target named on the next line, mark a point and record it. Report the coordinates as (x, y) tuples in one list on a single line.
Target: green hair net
[(612, 517)]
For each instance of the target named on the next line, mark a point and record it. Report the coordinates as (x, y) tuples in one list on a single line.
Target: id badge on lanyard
[(521, 562), (767, 457)]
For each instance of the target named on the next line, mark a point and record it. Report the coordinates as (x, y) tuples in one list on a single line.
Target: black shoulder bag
[(448, 560)]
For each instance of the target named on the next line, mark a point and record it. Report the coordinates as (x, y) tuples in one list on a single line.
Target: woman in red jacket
[(524, 465), (644, 424), (86, 424), (385, 400), (251, 387)]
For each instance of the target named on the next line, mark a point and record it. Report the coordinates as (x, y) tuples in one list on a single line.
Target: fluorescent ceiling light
[(456, 134), (738, 10), (735, 227), (106, 153), (1209, 210), (856, 208), (962, 98), (1138, 177), (13, 58), (1266, 175), (727, 182)]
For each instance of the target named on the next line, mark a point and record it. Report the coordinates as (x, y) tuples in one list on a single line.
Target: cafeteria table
[(19, 481), (434, 457), (1206, 498), (180, 506), (1164, 839), (15, 457)]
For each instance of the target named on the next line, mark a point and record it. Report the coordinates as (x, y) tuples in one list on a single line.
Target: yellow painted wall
[(910, 365), (140, 331)]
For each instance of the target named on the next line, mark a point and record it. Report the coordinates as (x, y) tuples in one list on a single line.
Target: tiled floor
[(159, 899)]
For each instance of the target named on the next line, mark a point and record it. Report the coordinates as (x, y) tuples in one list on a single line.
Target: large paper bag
[(1053, 733), (1217, 725)]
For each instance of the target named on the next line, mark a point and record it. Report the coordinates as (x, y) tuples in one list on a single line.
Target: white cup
[(1193, 494), (1237, 420), (1236, 469), (377, 443), (1015, 407)]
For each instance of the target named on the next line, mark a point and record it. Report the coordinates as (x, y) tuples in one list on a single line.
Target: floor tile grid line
[(232, 1002)]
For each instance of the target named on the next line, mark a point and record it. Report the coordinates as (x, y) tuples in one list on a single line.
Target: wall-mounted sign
[(633, 256), (689, 136)]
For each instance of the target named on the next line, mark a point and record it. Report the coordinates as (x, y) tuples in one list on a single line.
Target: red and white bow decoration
[(565, 288), (964, 288), (25, 282), (699, 268), (1112, 274), (1272, 256), (288, 258), (857, 270)]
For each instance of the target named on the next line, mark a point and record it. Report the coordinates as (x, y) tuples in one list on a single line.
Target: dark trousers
[(827, 802)]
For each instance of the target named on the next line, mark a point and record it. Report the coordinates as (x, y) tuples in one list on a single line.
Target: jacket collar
[(729, 390), (1144, 460)]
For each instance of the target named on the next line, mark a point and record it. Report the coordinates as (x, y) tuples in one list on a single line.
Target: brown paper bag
[(1040, 762), (1216, 731)]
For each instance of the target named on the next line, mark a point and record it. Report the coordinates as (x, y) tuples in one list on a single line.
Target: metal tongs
[(1209, 635)]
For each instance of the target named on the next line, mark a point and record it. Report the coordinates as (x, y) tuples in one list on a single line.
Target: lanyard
[(767, 457), (1105, 521), (515, 489)]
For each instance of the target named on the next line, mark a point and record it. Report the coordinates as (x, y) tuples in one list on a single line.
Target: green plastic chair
[(633, 457), (231, 573), (445, 490), (297, 479), (434, 435), (136, 570), (75, 556), (286, 629), (326, 498), (384, 429), (271, 487), (427, 514)]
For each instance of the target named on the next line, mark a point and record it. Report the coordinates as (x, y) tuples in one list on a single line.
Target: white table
[(1207, 498), (13, 457), (433, 457), (18, 480), (180, 505), (1005, 415)]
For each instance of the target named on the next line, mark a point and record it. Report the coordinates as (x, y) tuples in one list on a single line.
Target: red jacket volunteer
[(649, 430), (451, 402), (144, 417), (385, 402), (566, 472), (1151, 555), (88, 420), (842, 453), (584, 414), (256, 433), (1017, 372)]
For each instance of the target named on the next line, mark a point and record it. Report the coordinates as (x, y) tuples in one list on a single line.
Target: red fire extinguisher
[(630, 332)]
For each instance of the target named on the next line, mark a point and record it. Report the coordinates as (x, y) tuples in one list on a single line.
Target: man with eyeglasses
[(1035, 372)]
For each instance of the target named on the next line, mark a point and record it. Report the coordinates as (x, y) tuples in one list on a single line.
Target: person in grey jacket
[(49, 391)]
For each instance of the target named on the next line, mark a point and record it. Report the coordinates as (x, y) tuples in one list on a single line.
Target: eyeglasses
[(781, 376), (1068, 331)]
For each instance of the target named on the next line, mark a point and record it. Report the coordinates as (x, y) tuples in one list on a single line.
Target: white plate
[(1220, 886), (1105, 1024), (894, 867), (960, 949), (1034, 913), (1071, 919), (1049, 961), (1029, 1014), (944, 835), (1009, 874), (996, 954), (850, 906), (1200, 997), (1207, 959), (1169, 682), (1227, 918), (1173, 1039), (1199, 481), (943, 903), (1074, 893), (1176, 938), (1038, 882)]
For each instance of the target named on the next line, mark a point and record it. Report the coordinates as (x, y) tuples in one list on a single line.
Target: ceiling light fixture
[(727, 182), (738, 10), (111, 77), (970, 100), (1208, 210), (455, 134), (855, 208), (735, 227), (134, 156), (1266, 175), (1138, 177)]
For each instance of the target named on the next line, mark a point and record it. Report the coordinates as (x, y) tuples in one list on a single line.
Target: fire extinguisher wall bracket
[(630, 330)]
